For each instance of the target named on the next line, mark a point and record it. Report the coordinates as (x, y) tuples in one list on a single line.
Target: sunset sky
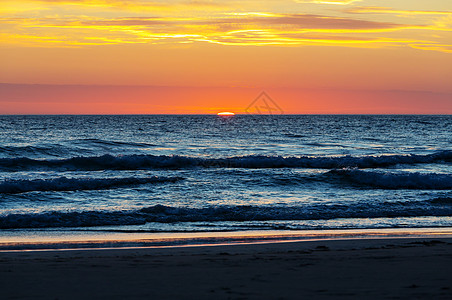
[(180, 56)]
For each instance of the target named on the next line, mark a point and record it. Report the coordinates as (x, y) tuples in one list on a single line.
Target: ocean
[(208, 173)]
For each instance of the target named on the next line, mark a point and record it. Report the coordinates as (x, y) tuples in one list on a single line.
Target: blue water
[(167, 173)]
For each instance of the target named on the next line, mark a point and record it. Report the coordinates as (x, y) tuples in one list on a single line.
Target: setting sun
[(225, 113)]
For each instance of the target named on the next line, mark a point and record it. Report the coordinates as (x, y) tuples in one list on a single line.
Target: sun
[(225, 113)]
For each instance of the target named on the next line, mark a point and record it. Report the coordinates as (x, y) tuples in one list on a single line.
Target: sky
[(191, 57)]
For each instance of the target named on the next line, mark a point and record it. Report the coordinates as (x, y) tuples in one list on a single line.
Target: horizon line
[(242, 114)]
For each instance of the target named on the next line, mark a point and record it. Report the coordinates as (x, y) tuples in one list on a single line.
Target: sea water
[(207, 173)]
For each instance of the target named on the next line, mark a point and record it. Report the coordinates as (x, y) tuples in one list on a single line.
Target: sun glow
[(215, 57), (225, 113)]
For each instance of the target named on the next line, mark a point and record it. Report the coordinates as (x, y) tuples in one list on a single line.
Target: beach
[(389, 268)]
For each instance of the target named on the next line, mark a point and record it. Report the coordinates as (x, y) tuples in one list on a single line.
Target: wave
[(386, 180), (48, 150), (101, 142), (139, 162), (67, 148), (75, 184), (168, 214)]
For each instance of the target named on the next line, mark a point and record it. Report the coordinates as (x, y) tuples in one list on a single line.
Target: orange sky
[(179, 56)]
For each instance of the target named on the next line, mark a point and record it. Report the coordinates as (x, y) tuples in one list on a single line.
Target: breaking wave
[(168, 214), (386, 180), (139, 162), (75, 184)]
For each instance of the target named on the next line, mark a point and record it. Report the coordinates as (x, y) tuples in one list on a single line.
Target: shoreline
[(75, 240), (403, 268)]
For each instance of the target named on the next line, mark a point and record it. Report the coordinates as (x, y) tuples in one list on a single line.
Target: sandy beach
[(404, 268)]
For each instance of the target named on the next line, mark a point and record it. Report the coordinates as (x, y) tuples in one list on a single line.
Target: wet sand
[(404, 268)]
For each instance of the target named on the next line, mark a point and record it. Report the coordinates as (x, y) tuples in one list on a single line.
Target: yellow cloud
[(335, 2), (433, 47), (444, 22), (9, 6), (387, 10), (15, 7), (47, 41), (238, 28)]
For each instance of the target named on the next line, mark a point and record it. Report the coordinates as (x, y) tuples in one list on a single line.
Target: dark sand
[(339, 269)]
